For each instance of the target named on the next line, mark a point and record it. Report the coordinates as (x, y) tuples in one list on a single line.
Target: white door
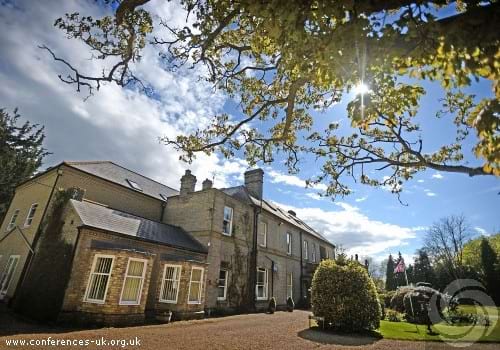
[(7, 274)]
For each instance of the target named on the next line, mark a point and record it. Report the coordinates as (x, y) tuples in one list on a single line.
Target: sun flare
[(361, 89)]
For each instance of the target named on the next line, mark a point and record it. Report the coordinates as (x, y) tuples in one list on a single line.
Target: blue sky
[(124, 126)]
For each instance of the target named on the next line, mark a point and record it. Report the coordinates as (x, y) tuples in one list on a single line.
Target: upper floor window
[(289, 285), (289, 243), (313, 252), (227, 224), (263, 234), (13, 219), (31, 215), (306, 250), (134, 185)]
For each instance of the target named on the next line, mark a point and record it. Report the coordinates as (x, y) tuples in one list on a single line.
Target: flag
[(400, 267)]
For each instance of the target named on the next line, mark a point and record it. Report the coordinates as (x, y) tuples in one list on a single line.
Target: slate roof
[(115, 173), (241, 193), (100, 217)]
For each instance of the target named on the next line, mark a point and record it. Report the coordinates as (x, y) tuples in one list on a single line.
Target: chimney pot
[(188, 183), (207, 184), (254, 181)]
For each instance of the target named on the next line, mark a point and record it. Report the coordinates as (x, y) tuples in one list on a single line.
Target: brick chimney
[(188, 183), (207, 184), (254, 180)]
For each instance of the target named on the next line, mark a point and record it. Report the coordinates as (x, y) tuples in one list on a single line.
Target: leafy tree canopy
[(21, 154), (284, 59)]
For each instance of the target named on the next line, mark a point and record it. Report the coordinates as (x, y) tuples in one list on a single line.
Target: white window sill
[(221, 299), (261, 299), (101, 302), (194, 302), (167, 301), (128, 304), (226, 234)]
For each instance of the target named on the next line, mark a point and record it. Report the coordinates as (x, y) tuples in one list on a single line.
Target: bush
[(344, 294), (394, 316), (290, 305), (387, 296), (397, 300), (272, 305)]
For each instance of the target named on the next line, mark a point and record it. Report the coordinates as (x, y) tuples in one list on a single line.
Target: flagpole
[(411, 303)]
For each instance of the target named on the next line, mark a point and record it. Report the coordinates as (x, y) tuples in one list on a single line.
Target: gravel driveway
[(282, 330)]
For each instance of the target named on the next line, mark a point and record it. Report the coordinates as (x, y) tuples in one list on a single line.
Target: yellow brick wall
[(36, 191)]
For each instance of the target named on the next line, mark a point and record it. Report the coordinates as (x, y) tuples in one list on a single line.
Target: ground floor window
[(99, 279), (7, 274), (195, 285), (289, 285), (261, 286), (170, 285), (222, 285), (134, 281)]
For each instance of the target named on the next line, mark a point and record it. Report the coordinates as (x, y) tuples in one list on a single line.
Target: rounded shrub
[(397, 301), (345, 295)]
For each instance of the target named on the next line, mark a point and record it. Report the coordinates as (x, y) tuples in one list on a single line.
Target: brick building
[(93, 241)]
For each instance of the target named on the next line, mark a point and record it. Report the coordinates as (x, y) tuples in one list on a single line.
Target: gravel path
[(282, 330)]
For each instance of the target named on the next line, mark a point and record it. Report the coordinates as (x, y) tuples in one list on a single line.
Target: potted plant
[(290, 305), (272, 305), (164, 316)]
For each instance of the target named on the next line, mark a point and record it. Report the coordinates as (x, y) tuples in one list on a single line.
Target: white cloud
[(420, 181), (481, 231), (437, 176), (314, 196), (431, 194), (361, 199), (116, 123), (354, 230), (292, 180)]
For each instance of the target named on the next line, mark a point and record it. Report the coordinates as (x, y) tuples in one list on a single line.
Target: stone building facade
[(231, 245)]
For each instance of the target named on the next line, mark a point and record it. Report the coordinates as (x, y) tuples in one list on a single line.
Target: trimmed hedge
[(345, 295)]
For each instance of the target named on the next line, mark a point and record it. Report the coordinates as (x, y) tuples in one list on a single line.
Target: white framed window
[(263, 234), (289, 243), (31, 215), (7, 274), (134, 281), (222, 285), (12, 222), (306, 250), (289, 285), (169, 291), (261, 284), (227, 224), (99, 278), (195, 285), (313, 252)]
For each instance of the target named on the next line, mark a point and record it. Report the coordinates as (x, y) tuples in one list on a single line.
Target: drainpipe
[(301, 266), (163, 207), (29, 259), (252, 276)]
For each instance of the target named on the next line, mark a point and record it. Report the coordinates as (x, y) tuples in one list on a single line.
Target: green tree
[(21, 154), (422, 268), (490, 270), (283, 59), (390, 282)]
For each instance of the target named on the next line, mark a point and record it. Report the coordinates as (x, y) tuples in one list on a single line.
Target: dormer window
[(134, 185)]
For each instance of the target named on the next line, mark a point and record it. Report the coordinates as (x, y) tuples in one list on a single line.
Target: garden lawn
[(408, 331)]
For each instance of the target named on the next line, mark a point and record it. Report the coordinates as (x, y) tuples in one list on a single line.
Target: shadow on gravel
[(327, 337)]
